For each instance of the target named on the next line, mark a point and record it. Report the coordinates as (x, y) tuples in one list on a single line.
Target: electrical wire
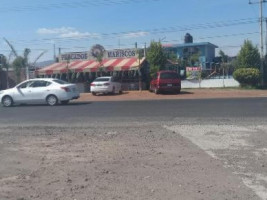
[(72, 5), (132, 44), (154, 31)]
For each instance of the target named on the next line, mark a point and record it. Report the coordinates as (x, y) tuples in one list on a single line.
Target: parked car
[(41, 90), (165, 81), (105, 84)]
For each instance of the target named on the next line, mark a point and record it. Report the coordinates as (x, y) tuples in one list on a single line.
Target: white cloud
[(67, 32), (70, 32), (135, 34), (54, 31), (77, 34)]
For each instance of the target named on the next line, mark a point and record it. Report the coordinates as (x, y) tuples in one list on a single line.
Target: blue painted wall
[(206, 51)]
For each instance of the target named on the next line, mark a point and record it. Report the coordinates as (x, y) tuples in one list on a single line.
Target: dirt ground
[(185, 94), (136, 161), (128, 162)]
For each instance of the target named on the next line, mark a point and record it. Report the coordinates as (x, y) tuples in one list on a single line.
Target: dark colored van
[(166, 81)]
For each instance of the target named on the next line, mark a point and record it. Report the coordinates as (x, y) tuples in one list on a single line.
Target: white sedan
[(105, 84), (41, 90)]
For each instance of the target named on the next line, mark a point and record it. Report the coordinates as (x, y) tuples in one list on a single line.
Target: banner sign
[(74, 56), (193, 68), (121, 53), (96, 51)]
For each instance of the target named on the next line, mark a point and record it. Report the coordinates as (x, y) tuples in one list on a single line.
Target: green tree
[(20, 63), (224, 65), (194, 58), (248, 57), (4, 64), (247, 76), (18, 66), (156, 57), (223, 56)]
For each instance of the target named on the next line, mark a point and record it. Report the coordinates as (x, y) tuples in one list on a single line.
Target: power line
[(72, 5), (164, 30), (132, 44)]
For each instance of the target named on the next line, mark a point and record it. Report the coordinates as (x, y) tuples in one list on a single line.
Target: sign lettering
[(74, 56), (121, 54)]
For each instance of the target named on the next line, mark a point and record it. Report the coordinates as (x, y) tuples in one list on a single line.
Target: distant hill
[(44, 63)]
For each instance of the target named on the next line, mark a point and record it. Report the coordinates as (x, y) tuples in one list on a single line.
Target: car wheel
[(93, 93), (120, 92), (156, 91), (51, 100), (7, 101), (64, 102)]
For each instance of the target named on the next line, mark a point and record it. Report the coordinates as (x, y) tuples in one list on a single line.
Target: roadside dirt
[(185, 94), (129, 162)]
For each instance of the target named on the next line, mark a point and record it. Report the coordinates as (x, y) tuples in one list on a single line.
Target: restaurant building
[(127, 65)]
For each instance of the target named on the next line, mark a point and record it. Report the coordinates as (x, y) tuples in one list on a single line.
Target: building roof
[(118, 64), (190, 45)]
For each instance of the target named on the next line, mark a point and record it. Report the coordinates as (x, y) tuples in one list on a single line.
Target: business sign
[(121, 53), (74, 56), (193, 68), (97, 51)]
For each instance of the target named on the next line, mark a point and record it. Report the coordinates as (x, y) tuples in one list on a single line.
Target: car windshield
[(101, 79), (169, 76), (60, 82)]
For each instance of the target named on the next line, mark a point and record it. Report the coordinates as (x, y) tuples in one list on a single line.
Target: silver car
[(105, 84), (41, 90)]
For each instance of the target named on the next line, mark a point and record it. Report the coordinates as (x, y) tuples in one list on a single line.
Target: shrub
[(247, 76)]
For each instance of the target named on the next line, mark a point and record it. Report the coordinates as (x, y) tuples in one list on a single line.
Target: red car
[(165, 81)]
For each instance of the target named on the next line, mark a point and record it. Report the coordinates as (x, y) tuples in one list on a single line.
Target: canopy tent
[(118, 64)]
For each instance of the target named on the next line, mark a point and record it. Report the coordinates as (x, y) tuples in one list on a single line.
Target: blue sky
[(76, 25)]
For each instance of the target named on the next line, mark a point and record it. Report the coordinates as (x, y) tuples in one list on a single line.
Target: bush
[(247, 76)]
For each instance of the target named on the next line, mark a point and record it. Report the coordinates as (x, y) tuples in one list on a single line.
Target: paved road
[(150, 111), (211, 149)]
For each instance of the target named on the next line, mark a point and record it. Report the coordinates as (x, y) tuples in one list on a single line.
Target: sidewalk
[(185, 94)]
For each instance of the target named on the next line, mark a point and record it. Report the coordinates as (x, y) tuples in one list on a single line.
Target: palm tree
[(20, 62)]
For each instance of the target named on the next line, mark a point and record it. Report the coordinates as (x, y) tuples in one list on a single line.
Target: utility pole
[(265, 37), (261, 37), (59, 54), (145, 50), (55, 57)]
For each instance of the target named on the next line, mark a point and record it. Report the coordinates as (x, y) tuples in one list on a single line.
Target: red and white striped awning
[(118, 64)]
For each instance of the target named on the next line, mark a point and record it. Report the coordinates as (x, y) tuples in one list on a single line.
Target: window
[(101, 79), (36, 84), (169, 76), (25, 85), (60, 82), (115, 79)]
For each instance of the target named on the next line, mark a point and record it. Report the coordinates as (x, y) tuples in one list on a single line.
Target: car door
[(38, 90), (21, 92)]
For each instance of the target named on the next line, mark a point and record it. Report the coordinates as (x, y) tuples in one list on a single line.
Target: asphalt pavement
[(144, 111)]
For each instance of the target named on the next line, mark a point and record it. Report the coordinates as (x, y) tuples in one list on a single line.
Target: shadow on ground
[(45, 105)]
